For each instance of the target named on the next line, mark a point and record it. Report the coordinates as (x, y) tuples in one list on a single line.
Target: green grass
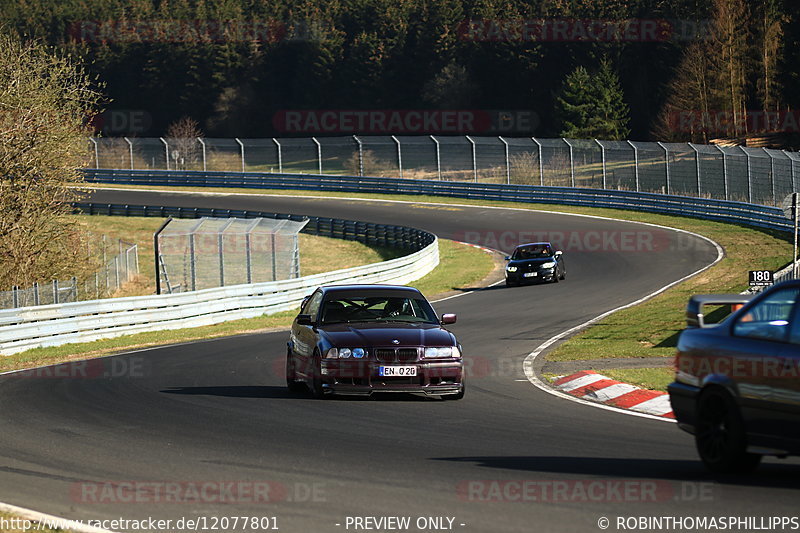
[(647, 378), (460, 267)]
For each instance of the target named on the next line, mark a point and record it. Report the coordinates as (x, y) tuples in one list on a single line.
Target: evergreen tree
[(593, 106)]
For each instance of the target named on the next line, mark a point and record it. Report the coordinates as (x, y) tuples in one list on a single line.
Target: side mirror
[(508, 258), (448, 318), (558, 253), (304, 320)]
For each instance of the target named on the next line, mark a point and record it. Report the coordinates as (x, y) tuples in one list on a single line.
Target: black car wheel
[(563, 274), (291, 376), (316, 381), (555, 276), (510, 283), (720, 434)]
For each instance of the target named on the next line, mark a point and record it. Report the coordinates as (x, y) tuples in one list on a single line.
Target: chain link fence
[(195, 254), (119, 262), (755, 175)]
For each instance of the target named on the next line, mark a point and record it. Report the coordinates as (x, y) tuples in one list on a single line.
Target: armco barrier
[(722, 210), (51, 325)]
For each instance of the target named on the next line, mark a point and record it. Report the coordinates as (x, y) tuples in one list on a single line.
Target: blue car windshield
[(377, 309), (531, 252)]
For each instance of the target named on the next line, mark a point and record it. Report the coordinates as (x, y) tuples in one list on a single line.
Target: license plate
[(392, 371), (530, 274)]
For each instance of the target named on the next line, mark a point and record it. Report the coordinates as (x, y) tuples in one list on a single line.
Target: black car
[(737, 383), (361, 339), (535, 261)]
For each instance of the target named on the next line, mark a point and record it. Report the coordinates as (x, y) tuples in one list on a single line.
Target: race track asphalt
[(217, 411)]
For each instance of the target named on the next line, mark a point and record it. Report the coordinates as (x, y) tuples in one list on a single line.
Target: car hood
[(370, 334), (531, 262)]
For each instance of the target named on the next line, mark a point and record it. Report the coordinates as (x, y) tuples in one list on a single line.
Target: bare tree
[(182, 136), (45, 100)]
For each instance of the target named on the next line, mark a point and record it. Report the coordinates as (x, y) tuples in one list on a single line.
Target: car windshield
[(532, 252), (377, 309)]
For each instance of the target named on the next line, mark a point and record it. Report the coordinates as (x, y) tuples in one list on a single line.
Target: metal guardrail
[(722, 210), (30, 327)]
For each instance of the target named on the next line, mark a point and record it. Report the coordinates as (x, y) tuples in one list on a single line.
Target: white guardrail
[(51, 325)]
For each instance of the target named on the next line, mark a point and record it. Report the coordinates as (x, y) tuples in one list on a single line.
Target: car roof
[(534, 244), (366, 288)]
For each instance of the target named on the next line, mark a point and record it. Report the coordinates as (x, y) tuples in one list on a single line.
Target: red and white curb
[(589, 385)]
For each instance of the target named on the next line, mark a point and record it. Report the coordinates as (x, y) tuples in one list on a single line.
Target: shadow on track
[(233, 391), (782, 475)]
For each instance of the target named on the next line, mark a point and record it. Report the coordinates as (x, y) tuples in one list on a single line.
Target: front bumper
[(683, 399), (543, 274), (363, 377)]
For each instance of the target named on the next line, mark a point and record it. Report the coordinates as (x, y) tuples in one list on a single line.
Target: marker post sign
[(790, 210)]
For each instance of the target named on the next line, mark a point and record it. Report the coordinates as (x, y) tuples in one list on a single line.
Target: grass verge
[(646, 378), (460, 267)]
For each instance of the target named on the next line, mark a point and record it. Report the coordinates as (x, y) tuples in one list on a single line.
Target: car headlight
[(345, 353), (549, 264), (445, 351), (511, 268)]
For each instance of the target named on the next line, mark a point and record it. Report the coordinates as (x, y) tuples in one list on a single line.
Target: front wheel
[(316, 381), (720, 434), (291, 376)]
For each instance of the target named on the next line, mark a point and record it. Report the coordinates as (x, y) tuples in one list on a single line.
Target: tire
[(291, 376), (563, 274), (720, 435), (316, 381), (555, 277), (458, 396), (511, 283)]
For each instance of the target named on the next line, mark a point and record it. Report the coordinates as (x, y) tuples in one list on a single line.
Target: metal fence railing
[(119, 264), (754, 175)]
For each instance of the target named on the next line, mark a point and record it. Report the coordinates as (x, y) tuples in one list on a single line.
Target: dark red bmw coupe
[(360, 339)]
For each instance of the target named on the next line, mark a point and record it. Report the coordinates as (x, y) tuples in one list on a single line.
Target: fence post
[(96, 155), (438, 160), (697, 166), (36, 293), (635, 164), (248, 261), (541, 165), (274, 260), (724, 170), (116, 272), (192, 265), (603, 157), (399, 155), (749, 179), (474, 159), (280, 158), (508, 162), (666, 163), (105, 261), (571, 163), (166, 151), (14, 296), (791, 167), (319, 154), (203, 144), (75, 288), (360, 156), (241, 148), (55, 291), (221, 252), (772, 174), (130, 150)]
